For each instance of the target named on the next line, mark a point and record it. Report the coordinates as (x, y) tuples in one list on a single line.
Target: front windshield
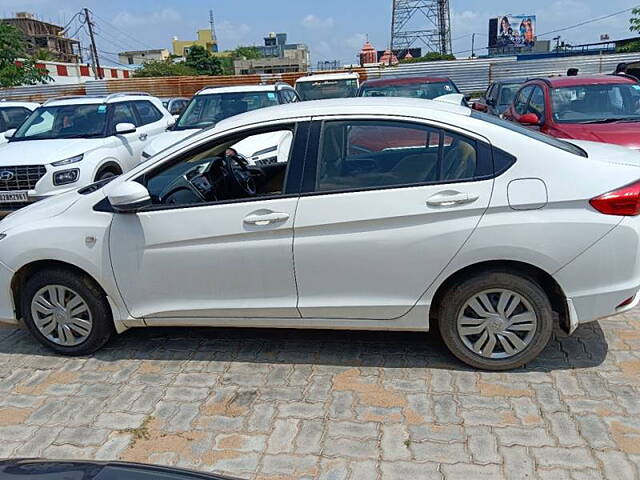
[(322, 89), (507, 92), (596, 103), (207, 110), (425, 90), (65, 121)]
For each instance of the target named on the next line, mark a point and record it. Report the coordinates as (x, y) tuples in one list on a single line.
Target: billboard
[(516, 31)]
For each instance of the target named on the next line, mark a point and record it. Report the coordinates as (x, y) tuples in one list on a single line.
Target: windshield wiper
[(612, 120)]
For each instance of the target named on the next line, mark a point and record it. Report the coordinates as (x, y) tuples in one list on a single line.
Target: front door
[(227, 254), (387, 207), (128, 146)]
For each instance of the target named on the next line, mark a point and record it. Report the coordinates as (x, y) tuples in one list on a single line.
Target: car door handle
[(143, 136), (266, 218), (451, 199)]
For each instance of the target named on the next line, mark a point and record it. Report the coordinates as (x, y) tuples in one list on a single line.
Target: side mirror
[(529, 119), (124, 128), (172, 121), (491, 102), (128, 197), (9, 133), (479, 107)]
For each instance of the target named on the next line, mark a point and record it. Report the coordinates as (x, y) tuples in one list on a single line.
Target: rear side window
[(541, 137), (381, 154), (147, 111)]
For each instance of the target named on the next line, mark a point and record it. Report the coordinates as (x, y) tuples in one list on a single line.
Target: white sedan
[(382, 214)]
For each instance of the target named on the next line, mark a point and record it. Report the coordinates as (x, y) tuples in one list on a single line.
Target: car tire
[(66, 311), (498, 320), (105, 174)]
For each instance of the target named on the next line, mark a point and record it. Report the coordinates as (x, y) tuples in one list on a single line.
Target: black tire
[(104, 174), (456, 297), (102, 325)]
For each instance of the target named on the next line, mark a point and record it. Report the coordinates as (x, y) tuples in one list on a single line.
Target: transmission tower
[(421, 22)]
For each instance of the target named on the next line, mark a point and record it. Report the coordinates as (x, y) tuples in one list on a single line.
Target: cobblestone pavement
[(272, 404)]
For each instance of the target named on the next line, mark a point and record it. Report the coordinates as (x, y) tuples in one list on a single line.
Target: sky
[(333, 29)]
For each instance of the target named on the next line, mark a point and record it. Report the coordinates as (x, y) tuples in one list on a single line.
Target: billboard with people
[(516, 31)]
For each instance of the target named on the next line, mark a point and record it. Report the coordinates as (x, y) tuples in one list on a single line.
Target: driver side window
[(238, 167)]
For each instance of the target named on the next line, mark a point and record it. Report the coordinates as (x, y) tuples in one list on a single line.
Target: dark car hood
[(626, 134), (37, 469)]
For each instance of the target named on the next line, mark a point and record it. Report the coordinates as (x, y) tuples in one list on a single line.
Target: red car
[(599, 108)]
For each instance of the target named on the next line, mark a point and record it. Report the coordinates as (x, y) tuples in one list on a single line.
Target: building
[(44, 36), (278, 57), (368, 54), (205, 39), (138, 57)]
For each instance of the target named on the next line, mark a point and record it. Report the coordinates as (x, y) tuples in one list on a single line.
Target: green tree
[(164, 68), (12, 50), (635, 20), (249, 53), (203, 62), (429, 57)]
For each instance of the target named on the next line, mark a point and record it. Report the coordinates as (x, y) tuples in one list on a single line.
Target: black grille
[(20, 178), (10, 207)]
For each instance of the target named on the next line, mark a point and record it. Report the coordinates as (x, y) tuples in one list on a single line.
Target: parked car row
[(600, 108)]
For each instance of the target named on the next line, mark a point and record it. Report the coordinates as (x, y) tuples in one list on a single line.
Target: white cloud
[(312, 21), (164, 16), (233, 34), (356, 41)]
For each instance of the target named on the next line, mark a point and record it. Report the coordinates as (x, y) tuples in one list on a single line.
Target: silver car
[(381, 213)]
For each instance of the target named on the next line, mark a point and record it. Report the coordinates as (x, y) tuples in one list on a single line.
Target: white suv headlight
[(68, 161)]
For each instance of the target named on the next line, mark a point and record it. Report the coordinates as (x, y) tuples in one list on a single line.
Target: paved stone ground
[(274, 404)]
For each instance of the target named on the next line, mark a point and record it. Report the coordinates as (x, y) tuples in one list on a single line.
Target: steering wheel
[(235, 167)]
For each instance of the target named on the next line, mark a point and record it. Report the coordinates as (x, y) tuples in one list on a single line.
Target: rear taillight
[(624, 202)]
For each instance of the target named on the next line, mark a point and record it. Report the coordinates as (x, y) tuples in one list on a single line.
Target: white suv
[(214, 104), (70, 142), (12, 114)]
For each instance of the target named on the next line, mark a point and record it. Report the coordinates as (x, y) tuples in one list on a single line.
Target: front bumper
[(7, 308)]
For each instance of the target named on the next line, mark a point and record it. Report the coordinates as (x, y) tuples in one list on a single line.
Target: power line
[(112, 42), (586, 22), (120, 30)]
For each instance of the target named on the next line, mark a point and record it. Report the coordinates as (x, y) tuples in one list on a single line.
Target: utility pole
[(213, 31), (473, 45), (94, 51)]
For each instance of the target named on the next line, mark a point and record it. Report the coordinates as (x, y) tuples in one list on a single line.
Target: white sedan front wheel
[(66, 311)]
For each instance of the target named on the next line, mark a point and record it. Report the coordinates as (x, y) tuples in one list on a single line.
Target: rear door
[(386, 206), (152, 121)]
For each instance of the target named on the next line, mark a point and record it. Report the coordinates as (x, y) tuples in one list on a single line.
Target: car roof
[(384, 82), (506, 81), (410, 107), (239, 89), (559, 82), (98, 99), (11, 103), (328, 76)]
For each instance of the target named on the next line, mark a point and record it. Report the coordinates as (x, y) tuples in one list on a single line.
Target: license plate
[(12, 197)]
